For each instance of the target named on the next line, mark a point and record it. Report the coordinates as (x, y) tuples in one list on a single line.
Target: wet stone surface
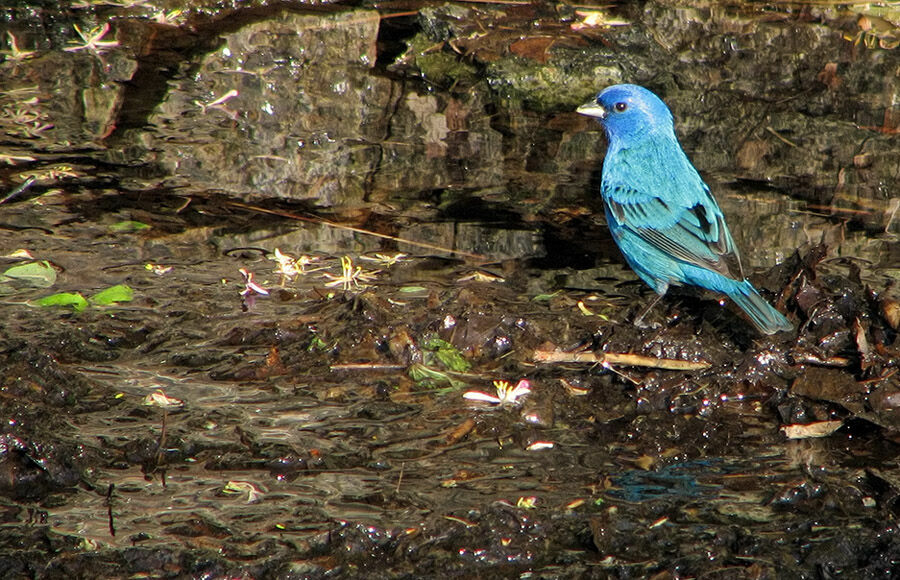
[(313, 291)]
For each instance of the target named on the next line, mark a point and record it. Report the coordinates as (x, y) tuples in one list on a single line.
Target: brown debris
[(611, 358)]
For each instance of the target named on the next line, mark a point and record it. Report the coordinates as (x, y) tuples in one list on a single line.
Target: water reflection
[(290, 106), (306, 394)]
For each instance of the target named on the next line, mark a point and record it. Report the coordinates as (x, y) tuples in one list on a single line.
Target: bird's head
[(629, 112)]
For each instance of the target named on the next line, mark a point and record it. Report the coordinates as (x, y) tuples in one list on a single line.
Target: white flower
[(506, 394)]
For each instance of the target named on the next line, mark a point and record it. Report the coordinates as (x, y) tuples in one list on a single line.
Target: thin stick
[(628, 359), (336, 225), (18, 190), (400, 478), (109, 509), (366, 367), (399, 14), (162, 443)]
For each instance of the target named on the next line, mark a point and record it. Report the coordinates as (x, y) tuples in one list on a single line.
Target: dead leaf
[(460, 431), (811, 430), (890, 309), (828, 76), (536, 48)]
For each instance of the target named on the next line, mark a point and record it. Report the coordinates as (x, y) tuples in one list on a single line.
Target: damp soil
[(325, 291)]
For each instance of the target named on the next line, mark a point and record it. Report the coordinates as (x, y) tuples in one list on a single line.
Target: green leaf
[(40, 274), (447, 354), (421, 374), (128, 226), (75, 300), (316, 344), (546, 297), (412, 289), (113, 294)]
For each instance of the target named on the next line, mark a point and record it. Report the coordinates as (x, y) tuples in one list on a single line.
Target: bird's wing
[(688, 226)]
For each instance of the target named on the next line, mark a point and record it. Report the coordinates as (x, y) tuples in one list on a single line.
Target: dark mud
[(318, 416)]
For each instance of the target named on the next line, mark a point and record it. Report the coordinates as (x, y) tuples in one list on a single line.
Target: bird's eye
[(621, 106)]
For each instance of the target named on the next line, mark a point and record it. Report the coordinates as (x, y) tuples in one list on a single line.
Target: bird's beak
[(592, 109)]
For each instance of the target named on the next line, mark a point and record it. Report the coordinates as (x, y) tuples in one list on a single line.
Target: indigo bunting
[(660, 212)]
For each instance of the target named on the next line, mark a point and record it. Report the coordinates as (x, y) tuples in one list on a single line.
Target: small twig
[(780, 138), (109, 509), (336, 225), (25, 185), (500, 2), (832, 209), (161, 446), (893, 206), (399, 14), (366, 367), (611, 358), (400, 478), (809, 358)]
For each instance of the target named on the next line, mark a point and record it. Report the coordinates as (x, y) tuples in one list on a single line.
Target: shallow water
[(310, 400)]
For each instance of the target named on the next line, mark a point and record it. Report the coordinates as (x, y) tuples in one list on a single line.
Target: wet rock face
[(288, 107), (61, 100), (279, 104), (297, 116), (789, 99)]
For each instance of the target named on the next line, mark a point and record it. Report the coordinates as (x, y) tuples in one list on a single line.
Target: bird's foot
[(641, 323)]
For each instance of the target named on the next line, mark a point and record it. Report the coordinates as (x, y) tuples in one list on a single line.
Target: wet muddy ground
[(308, 293)]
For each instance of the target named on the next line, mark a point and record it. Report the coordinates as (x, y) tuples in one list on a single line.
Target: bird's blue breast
[(663, 218)]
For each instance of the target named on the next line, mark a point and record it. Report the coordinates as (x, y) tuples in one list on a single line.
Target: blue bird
[(660, 212)]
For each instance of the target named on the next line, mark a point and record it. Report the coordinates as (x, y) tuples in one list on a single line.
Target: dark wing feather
[(696, 234)]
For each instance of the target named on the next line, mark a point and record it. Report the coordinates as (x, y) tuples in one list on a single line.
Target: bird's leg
[(639, 321)]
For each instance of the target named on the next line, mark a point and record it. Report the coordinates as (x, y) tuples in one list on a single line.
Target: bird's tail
[(764, 316)]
